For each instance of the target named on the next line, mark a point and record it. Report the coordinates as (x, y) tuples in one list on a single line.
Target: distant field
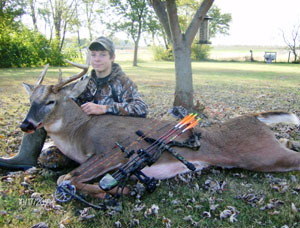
[(220, 53), (242, 53), (144, 54)]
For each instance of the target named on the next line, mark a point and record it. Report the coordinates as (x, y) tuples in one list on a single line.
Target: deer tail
[(278, 117)]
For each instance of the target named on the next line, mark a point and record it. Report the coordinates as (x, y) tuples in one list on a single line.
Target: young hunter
[(109, 91)]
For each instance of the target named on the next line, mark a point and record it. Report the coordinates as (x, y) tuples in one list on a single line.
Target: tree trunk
[(295, 55), (32, 8), (51, 34), (63, 37), (88, 18), (56, 15), (184, 79), (136, 47), (181, 43), (79, 43), (136, 44), (165, 39)]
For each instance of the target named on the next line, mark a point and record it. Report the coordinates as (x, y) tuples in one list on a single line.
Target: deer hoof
[(286, 143), (63, 178)]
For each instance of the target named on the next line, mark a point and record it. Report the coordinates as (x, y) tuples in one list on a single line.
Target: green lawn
[(227, 89)]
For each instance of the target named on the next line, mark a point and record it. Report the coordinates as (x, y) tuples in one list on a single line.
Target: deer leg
[(95, 191), (92, 189), (282, 160), (292, 145), (290, 162), (93, 168), (295, 146)]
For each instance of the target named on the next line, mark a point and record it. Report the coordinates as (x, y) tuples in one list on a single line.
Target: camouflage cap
[(105, 42)]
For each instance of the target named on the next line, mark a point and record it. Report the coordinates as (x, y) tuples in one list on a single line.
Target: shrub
[(198, 52), (22, 47), (162, 54)]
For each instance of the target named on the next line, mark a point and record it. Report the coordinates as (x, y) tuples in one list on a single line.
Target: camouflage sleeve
[(129, 101)]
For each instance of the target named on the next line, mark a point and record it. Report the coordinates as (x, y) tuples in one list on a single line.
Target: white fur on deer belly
[(54, 127), (169, 170), (68, 149)]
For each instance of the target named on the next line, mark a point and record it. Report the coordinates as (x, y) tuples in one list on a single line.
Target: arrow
[(148, 157), (185, 121), (191, 125)]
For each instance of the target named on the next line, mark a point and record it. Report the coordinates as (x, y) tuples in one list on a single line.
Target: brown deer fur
[(243, 142)]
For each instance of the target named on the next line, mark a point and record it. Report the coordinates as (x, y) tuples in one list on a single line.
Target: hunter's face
[(101, 63)]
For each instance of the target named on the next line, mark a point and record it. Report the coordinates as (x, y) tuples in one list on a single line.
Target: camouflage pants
[(52, 158)]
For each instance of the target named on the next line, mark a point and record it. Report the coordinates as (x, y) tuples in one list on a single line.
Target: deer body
[(243, 142)]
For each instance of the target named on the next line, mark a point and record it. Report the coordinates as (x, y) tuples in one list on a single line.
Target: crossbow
[(137, 161), (147, 157)]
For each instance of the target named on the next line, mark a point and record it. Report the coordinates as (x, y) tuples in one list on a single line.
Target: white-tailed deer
[(244, 142)]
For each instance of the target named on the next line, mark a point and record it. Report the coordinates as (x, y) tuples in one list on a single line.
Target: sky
[(255, 22), (258, 22)]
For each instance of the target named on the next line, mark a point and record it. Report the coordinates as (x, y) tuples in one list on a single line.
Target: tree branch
[(174, 22), (160, 10), (195, 23)]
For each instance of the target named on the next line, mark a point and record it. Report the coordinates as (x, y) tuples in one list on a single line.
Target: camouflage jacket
[(116, 91)]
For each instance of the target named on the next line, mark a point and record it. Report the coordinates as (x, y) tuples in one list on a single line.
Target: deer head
[(45, 99)]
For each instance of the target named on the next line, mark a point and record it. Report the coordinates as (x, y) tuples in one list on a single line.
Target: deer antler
[(41, 77), (84, 67)]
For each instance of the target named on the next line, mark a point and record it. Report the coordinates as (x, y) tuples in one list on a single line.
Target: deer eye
[(50, 102)]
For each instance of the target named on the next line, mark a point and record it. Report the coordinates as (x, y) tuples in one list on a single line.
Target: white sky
[(254, 22), (258, 22)]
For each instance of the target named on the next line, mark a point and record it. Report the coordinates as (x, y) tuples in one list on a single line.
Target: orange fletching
[(185, 118), (190, 119), (193, 124)]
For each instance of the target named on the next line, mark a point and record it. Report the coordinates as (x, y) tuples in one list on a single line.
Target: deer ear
[(78, 88), (29, 88)]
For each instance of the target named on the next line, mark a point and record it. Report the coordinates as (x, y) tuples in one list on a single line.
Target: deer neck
[(66, 120)]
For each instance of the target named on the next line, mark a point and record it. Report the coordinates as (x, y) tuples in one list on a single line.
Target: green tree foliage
[(63, 12), (91, 10), (10, 12), (14, 38), (132, 17), (21, 47), (218, 25)]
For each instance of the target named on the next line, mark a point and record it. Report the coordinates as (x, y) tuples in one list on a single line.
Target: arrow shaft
[(188, 120)]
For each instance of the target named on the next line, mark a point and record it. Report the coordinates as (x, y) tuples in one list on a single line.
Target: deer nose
[(27, 126)]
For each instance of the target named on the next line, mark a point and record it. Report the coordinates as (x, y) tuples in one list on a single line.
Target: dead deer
[(244, 142)]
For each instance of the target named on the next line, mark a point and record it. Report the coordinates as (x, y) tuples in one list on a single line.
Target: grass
[(227, 89)]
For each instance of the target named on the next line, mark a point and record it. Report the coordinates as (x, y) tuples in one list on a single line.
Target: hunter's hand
[(93, 109)]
